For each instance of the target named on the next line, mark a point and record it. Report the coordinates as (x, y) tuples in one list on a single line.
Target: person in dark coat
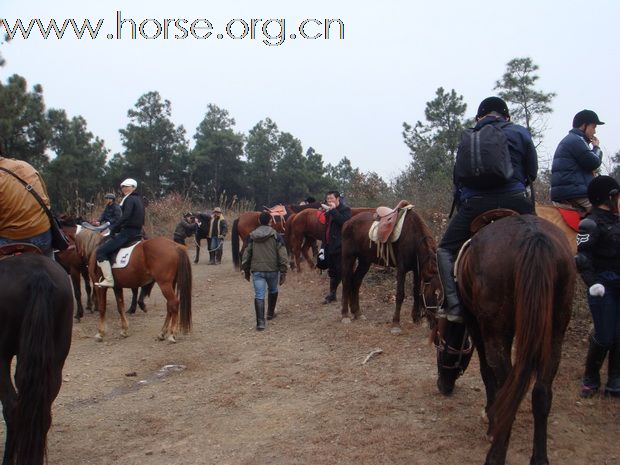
[(336, 213), (126, 230), (184, 228), (473, 201), (576, 158), (112, 212), (598, 262), (215, 236)]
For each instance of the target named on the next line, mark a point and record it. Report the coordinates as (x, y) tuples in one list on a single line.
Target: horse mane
[(425, 244), (298, 208), (87, 242)]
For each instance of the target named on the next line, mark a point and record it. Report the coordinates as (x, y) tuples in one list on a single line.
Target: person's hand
[(597, 290), (325, 207), (220, 237), (96, 223), (282, 278), (247, 275), (595, 141)]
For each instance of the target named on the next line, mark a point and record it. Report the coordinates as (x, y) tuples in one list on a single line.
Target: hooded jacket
[(265, 251)]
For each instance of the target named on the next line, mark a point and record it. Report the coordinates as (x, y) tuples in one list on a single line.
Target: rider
[(112, 212), (215, 236), (128, 228), (598, 262), (22, 219), (473, 202)]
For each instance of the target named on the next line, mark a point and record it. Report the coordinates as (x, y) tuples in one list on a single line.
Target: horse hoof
[(346, 320), (161, 337), (396, 330), (172, 339), (124, 334), (98, 337)]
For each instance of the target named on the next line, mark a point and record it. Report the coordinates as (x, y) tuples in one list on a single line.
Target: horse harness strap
[(278, 214), (489, 217), (18, 248)]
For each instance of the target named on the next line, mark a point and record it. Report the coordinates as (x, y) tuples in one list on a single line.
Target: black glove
[(282, 278), (247, 275)]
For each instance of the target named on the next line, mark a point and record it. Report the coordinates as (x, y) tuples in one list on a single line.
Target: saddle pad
[(123, 256), (571, 218), (320, 214)]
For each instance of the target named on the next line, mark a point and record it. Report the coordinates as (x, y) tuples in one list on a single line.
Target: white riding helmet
[(129, 182)]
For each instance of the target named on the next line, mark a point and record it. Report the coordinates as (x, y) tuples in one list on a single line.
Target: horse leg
[(416, 309), (145, 291), (197, 250), (77, 291), (8, 397), (305, 249), (134, 301), (358, 276), (100, 293), (172, 313), (401, 274), (120, 306), (87, 288)]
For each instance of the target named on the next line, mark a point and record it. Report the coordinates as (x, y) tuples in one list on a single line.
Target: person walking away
[(576, 158), (22, 218), (336, 213), (480, 191), (126, 230), (598, 262), (265, 258), (184, 228), (215, 237)]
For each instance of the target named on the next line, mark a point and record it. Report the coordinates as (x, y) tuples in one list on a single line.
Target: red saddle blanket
[(320, 214), (571, 218)]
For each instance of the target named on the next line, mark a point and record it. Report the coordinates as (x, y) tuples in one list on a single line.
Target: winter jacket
[(573, 165), (336, 217), (217, 227), (112, 213), (183, 230), (133, 214), (522, 154), (598, 248), (265, 251)]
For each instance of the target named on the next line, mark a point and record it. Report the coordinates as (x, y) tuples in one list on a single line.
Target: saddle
[(489, 217), (18, 248), (278, 214), (387, 218)]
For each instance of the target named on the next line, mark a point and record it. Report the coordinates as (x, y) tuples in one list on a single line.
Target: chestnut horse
[(414, 251), (551, 213), (157, 260), (36, 307), (516, 283)]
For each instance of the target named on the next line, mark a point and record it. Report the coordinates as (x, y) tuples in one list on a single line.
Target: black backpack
[(483, 158)]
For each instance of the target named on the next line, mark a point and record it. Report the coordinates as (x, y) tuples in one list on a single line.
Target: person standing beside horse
[(266, 259), (574, 162), (598, 262), (22, 218), (126, 230), (474, 196), (336, 213), (112, 211), (215, 236), (184, 228)]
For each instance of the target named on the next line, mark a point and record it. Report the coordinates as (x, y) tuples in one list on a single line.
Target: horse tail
[(234, 244), (535, 276), (35, 375), (184, 290)]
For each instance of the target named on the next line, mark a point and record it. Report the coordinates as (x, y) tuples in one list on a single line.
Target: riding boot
[(211, 258), (218, 255), (259, 307), (594, 360), (271, 305), (613, 373), (106, 271), (453, 310), (333, 286)]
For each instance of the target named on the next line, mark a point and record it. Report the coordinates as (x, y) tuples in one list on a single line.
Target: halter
[(466, 347)]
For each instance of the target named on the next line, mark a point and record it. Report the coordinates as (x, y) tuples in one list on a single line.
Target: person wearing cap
[(22, 219), (215, 236), (472, 201), (266, 259), (125, 231), (112, 211), (576, 158), (598, 262), (184, 228)]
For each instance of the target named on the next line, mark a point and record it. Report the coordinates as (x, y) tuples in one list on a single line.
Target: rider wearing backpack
[(495, 162)]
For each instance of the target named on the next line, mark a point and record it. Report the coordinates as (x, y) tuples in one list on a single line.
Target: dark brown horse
[(516, 282), (35, 327), (414, 251), (157, 260)]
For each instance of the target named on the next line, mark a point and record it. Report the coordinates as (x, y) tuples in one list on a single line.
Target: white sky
[(343, 97)]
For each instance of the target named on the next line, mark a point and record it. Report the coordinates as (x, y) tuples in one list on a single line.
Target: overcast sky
[(344, 97)]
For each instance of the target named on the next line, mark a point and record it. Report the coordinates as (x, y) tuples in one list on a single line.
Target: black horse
[(35, 326), (201, 231)]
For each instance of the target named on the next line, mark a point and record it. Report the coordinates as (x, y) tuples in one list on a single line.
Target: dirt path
[(296, 393)]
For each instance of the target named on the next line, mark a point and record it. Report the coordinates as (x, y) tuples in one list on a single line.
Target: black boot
[(613, 373), (259, 307), (453, 310), (211, 258), (594, 360), (271, 305)]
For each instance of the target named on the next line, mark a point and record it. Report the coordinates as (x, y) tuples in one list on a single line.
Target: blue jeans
[(606, 316), (42, 241), (214, 243), (265, 279)]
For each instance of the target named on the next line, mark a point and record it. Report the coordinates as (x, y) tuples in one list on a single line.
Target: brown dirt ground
[(296, 393)]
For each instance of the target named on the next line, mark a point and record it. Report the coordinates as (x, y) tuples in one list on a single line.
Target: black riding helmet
[(602, 189), (109, 196)]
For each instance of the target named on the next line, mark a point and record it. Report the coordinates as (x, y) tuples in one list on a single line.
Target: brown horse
[(414, 251), (157, 260), (304, 229), (36, 307), (242, 227), (516, 282), (551, 213)]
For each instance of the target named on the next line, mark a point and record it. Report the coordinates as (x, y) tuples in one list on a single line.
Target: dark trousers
[(178, 240), (606, 316), (335, 270), (124, 237)]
